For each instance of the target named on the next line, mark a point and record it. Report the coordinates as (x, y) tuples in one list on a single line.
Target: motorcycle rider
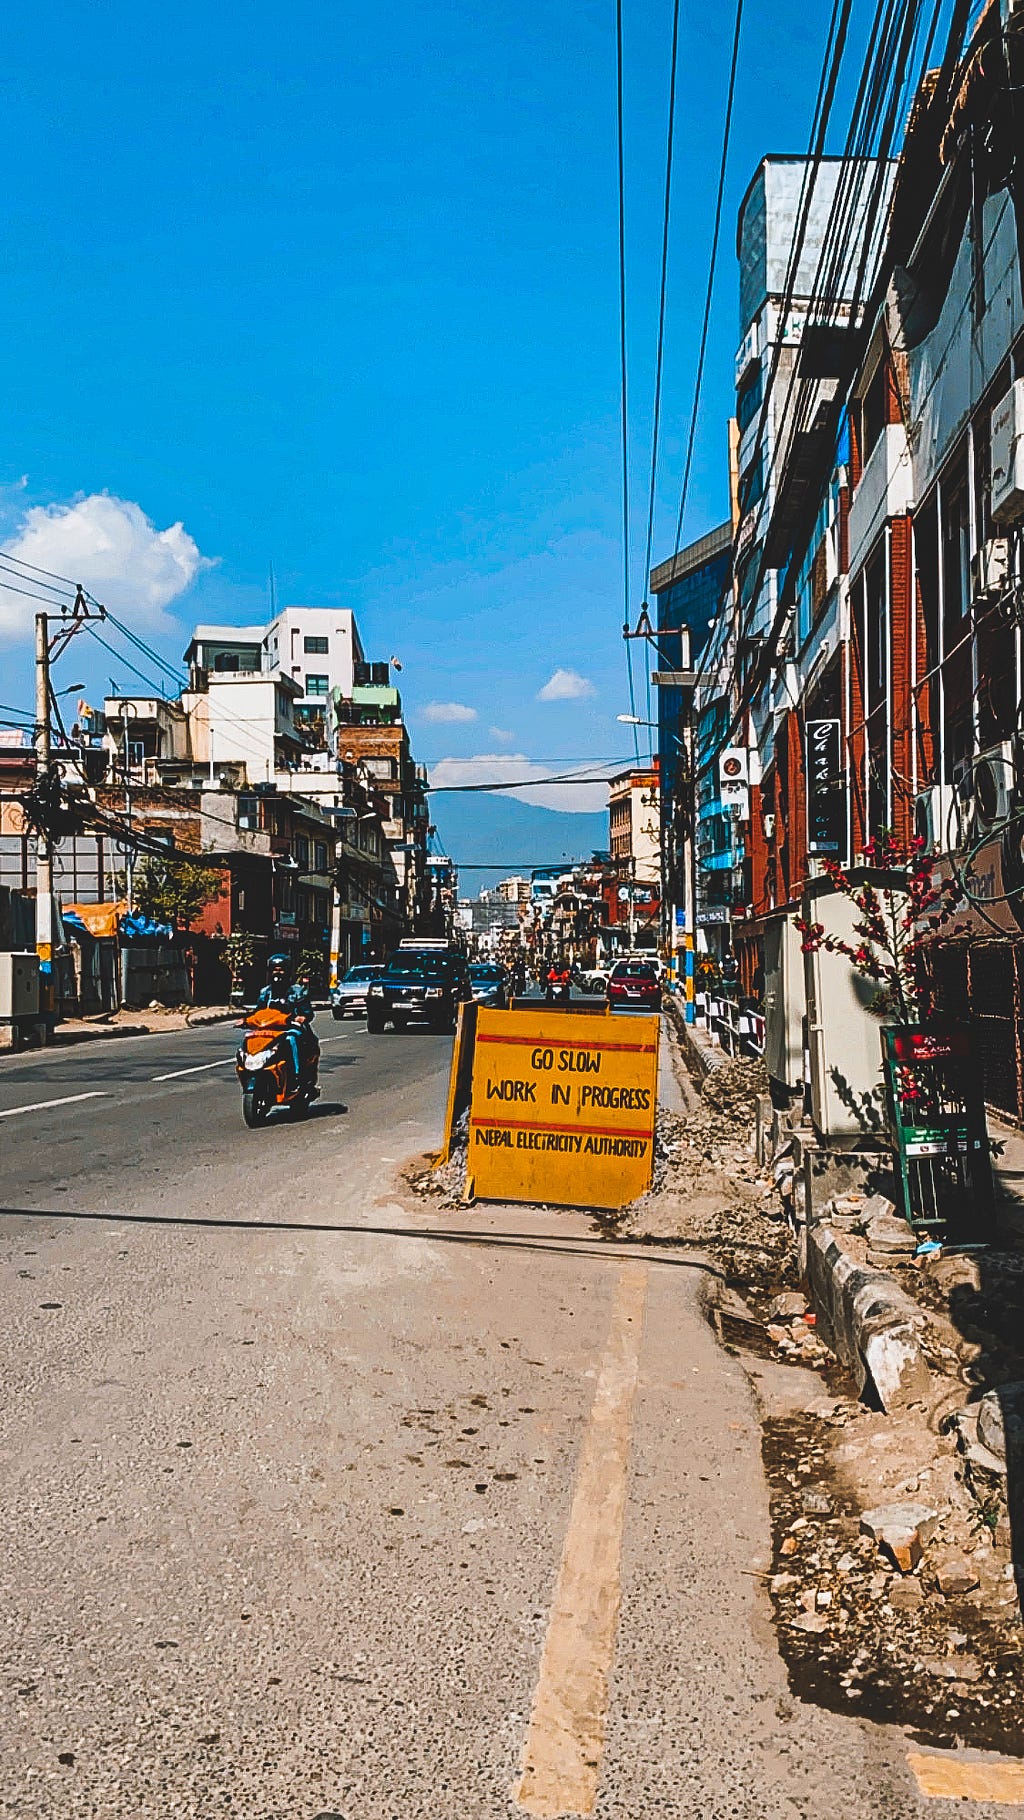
[(558, 981), (282, 994)]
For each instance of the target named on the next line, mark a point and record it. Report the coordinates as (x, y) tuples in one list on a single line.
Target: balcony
[(885, 491)]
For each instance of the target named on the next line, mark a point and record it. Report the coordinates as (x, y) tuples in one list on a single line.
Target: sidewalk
[(127, 1023)]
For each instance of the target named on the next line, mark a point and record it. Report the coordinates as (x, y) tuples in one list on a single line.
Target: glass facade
[(692, 600)]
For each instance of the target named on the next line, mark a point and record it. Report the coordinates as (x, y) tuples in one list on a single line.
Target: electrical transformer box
[(1008, 456), (844, 1036), (783, 1002), (19, 985)]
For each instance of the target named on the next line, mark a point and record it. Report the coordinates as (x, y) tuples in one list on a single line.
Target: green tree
[(314, 961), (240, 953), (173, 891)]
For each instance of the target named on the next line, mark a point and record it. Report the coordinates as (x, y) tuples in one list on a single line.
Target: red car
[(634, 985)]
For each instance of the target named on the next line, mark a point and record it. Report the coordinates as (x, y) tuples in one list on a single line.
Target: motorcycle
[(264, 1068), (559, 990)]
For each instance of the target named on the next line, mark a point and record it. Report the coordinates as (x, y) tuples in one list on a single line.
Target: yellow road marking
[(565, 1740), (959, 1779)]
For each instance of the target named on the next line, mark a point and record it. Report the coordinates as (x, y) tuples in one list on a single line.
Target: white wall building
[(318, 647), (249, 720)]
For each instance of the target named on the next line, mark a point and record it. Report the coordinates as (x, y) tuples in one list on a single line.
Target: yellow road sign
[(563, 1107)]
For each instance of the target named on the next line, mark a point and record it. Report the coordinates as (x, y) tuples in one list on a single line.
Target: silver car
[(348, 997)]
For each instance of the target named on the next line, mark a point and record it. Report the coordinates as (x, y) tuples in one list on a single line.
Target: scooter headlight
[(254, 1062)]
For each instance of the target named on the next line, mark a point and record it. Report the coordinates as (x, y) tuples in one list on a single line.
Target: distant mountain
[(504, 835)]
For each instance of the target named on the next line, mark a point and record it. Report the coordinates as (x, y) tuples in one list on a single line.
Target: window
[(876, 648), (315, 647), (872, 413), (956, 546), (226, 661), (249, 813), (752, 483), (317, 685), (749, 399), (302, 850), (320, 856)]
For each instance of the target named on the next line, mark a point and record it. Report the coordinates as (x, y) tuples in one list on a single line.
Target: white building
[(249, 720), (318, 648)]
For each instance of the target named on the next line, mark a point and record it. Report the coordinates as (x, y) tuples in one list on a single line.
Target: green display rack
[(937, 1122)]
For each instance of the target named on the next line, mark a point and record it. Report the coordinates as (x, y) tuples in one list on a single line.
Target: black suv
[(427, 987)]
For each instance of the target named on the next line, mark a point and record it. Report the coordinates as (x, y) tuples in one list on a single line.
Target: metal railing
[(737, 1028)]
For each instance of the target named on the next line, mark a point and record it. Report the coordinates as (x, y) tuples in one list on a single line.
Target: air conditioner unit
[(936, 820), (993, 788), (990, 569), (1007, 503)]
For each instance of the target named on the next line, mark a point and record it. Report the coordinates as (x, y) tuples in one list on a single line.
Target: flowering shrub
[(897, 925)]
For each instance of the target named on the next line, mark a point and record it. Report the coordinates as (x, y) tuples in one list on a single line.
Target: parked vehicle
[(490, 985), (348, 997), (634, 984), (265, 1067), (418, 987), (594, 980)]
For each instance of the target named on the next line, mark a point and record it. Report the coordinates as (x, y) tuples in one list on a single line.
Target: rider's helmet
[(279, 972)]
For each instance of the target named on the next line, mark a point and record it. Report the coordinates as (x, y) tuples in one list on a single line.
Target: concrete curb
[(700, 1060), (65, 1039), (867, 1320)]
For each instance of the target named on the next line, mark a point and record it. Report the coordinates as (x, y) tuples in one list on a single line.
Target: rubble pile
[(709, 1191), (905, 1609)]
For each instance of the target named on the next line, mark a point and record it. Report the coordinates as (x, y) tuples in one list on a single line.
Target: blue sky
[(335, 287)]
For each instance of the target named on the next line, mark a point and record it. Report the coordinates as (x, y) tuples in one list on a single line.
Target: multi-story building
[(634, 823), (633, 900), (367, 731), (691, 592), (514, 890), (319, 649), (885, 689)]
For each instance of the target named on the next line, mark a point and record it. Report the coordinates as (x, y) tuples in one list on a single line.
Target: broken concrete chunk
[(896, 1364), (788, 1306), (906, 1595), (1001, 1420), (956, 1577), (886, 1233), (816, 1501), (902, 1530), (814, 1621), (875, 1205)]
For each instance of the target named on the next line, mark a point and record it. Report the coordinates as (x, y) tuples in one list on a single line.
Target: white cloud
[(502, 734), (114, 550), (514, 767), (565, 685), (448, 711)]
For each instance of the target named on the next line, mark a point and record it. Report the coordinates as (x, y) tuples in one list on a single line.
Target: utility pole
[(71, 620), (129, 858), (44, 844)]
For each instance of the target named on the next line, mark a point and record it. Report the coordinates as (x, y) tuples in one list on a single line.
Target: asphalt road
[(319, 1502)]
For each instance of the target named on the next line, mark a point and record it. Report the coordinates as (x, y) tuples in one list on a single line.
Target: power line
[(670, 135), (623, 385), (699, 380)]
